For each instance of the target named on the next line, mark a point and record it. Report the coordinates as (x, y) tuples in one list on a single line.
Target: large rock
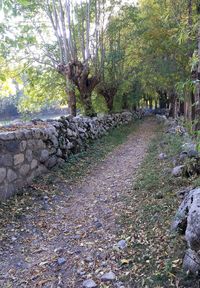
[(180, 221), (6, 160), (191, 261), (192, 233), (187, 220), (12, 146), (18, 158)]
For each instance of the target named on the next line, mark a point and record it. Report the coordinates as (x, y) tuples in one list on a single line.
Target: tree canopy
[(102, 55)]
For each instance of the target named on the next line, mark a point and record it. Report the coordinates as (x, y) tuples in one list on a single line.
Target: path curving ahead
[(73, 237)]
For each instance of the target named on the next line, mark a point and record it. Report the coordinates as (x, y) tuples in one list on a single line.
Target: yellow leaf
[(125, 261)]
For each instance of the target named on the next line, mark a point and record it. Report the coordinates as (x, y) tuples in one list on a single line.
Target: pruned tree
[(79, 31)]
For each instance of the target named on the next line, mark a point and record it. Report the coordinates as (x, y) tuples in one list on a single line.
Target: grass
[(155, 251)]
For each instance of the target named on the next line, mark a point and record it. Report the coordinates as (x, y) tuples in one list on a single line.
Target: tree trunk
[(197, 90), (109, 98), (189, 110), (108, 92), (109, 102), (173, 112), (70, 91), (86, 101), (188, 107), (72, 103), (77, 74), (181, 108), (150, 103), (125, 102), (162, 99)]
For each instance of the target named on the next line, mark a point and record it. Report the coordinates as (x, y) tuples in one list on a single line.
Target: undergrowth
[(155, 252)]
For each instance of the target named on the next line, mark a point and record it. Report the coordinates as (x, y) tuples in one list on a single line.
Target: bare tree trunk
[(71, 102), (86, 101), (125, 101), (109, 101), (189, 98), (108, 91), (173, 112), (197, 90), (150, 103), (181, 108)]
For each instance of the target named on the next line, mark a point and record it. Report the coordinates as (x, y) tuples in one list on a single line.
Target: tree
[(76, 50)]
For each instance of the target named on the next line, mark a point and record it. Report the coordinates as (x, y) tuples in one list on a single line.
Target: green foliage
[(42, 89), (146, 48)]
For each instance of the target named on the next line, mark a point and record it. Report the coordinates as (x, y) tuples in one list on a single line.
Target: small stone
[(110, 276), (58, 250), (29, 155), (61, 261), (51, 162), (81, 272), (46, 198), (89, 259), (24, 169), (122, 244), (59, 153), (22, 146), (13, 238), (89, 284), (7, 136), (120, 285), (177, 171), (193, 153), (159, 195), (44, 156), (11, 175), (162, 156), (2, 174), (18, 159), (183, 156), (98, 224), (34, 164), (40, 144)]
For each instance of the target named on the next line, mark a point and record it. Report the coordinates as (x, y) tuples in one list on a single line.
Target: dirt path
[(74, 237)]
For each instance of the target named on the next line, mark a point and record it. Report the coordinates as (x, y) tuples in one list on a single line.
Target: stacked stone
[(27, 153), (23, 156)]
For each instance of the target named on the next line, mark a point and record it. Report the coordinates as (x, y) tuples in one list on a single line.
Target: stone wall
[(28, 151)]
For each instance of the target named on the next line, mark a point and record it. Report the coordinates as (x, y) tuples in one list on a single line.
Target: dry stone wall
[(29, 151)]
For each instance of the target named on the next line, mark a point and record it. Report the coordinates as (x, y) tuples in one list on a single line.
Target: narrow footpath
[(74, 237)]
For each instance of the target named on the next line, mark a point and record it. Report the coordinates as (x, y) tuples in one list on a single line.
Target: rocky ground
[(69, 238)]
